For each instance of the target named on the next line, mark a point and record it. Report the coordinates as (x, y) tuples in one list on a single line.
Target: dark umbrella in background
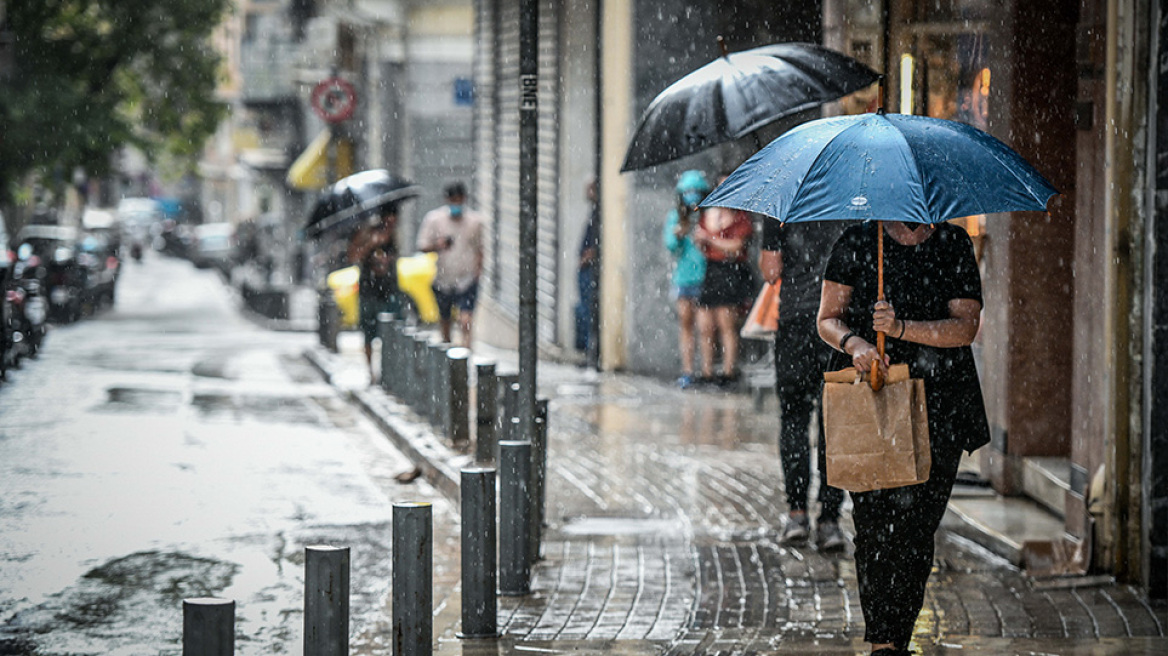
[(883, 167), (737, 94), (355, 198)]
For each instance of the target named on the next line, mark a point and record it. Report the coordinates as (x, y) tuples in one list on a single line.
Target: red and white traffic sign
[(334, 99)]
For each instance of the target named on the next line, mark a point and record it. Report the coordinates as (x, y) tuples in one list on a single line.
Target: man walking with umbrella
[(796, 254), (455, 233)]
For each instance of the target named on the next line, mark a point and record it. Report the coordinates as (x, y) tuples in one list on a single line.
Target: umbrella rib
[(818, 156)]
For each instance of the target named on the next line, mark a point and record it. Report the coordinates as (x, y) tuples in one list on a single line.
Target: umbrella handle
[(876, 378)]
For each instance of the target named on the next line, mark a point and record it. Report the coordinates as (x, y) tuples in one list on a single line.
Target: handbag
[(763, 320), (875, 439)]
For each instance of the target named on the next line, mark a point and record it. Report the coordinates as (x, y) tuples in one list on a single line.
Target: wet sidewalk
[(664, 511)]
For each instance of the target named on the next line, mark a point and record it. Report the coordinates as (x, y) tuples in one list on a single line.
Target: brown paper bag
[(875, 440)]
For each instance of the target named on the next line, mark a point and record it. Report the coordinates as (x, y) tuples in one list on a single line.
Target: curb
[(415, 438)]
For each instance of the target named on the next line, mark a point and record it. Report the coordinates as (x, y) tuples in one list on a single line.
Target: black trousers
[(800, 359), (894, 547)]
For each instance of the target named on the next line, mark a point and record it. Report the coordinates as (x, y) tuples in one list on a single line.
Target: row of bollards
[(209, 623), (433, 379)]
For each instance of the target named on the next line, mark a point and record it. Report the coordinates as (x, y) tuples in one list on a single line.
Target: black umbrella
[(737, 94), (355, 198)]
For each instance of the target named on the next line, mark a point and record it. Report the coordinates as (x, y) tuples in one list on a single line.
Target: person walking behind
[(374, 248), (723, 235), (796, 253), (588, 280), (930, 317), (689, 265), (455, 233)]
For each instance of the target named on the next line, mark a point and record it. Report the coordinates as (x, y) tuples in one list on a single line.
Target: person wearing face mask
[(455, 233)]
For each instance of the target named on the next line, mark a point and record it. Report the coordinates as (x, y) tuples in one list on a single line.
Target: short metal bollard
[(413, 594), (438, 371), (385, 332), (456, 413), (420, 392), (326, 601), (538, 479), (486, 408), (328, 319), (404, 351), (509, 409), (479, 563), (514, 517), (208, 627)]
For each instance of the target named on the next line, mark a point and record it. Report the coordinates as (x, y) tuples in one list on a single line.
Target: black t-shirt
[(805, 248), (919, 282), (371, 286)]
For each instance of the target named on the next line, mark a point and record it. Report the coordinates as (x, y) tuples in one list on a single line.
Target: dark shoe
[(891, 651), (705, 381), (830, 537), (797, 530), (728, 381)]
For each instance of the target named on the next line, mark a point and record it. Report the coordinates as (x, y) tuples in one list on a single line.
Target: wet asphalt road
[(168, 448)]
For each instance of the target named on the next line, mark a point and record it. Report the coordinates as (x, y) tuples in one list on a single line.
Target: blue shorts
[(464, 300), (687, 292)]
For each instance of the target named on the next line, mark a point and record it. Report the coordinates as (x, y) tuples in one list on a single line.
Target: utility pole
[(528, 216)]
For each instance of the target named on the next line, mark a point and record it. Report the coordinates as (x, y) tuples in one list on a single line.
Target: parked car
[(214, 246), (55, 248), (99, 256)]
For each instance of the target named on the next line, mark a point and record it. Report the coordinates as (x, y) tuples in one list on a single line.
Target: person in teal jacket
[(689, 264)]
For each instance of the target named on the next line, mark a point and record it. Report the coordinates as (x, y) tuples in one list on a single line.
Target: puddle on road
[(267, 409), (132, 399), (137, 598)]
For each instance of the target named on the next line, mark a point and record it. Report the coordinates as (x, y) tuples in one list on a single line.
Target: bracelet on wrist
[(843, 343), (903, 327)]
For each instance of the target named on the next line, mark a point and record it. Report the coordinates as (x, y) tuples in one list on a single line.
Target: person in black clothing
[(931, 315), (588, 280), (377, 292), (796, 254)]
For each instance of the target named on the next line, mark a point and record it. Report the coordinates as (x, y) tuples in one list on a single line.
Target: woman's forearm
[(944, 333)]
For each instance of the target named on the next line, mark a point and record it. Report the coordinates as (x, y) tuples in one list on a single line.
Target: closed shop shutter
[(502, 160)]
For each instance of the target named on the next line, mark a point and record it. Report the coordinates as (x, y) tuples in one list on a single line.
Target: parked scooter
[(27, 304)]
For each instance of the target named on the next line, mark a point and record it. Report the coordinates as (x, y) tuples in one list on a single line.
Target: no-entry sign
[(334, 99)]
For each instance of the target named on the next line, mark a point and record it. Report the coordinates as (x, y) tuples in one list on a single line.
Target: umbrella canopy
[(737, 94), (884, 167), (355, 198)]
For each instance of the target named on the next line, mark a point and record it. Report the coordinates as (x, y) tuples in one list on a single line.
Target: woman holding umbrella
[(931, 315)]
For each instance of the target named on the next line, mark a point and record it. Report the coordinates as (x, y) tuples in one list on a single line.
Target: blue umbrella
[(886, 167), (883, 167)]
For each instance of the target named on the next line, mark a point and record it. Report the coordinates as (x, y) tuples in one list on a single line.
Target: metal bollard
[(456, 413), (326, 601), (538, 479), (413, 594), (438, 371), (208, 627), (421, 387), (328, 319), (514, 517), (479, 563), (404, 351), (486, 408), (508, 409), (385, 332)]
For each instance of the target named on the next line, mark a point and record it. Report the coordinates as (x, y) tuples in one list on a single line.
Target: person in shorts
[(455, 233), (689, 264), (723, 236)]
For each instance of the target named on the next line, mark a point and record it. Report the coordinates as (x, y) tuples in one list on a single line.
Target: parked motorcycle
[(28, 307)]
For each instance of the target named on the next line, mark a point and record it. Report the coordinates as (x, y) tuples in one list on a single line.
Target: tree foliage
[(92, 76)]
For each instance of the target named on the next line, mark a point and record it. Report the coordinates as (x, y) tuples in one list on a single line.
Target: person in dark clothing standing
[(796, 253), (588, 279), (930, 317), (374, 248)]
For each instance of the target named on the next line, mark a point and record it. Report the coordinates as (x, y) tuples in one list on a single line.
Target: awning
[(310, 170)]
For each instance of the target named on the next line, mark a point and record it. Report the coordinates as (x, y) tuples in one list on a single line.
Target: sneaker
[(686, 381), (796, 530), (831, 538), (727, 381)]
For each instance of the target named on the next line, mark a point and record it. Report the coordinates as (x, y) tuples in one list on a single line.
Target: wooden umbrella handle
[(876, 377)]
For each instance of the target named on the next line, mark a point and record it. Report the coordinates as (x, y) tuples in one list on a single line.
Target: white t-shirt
[(457, 265)]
